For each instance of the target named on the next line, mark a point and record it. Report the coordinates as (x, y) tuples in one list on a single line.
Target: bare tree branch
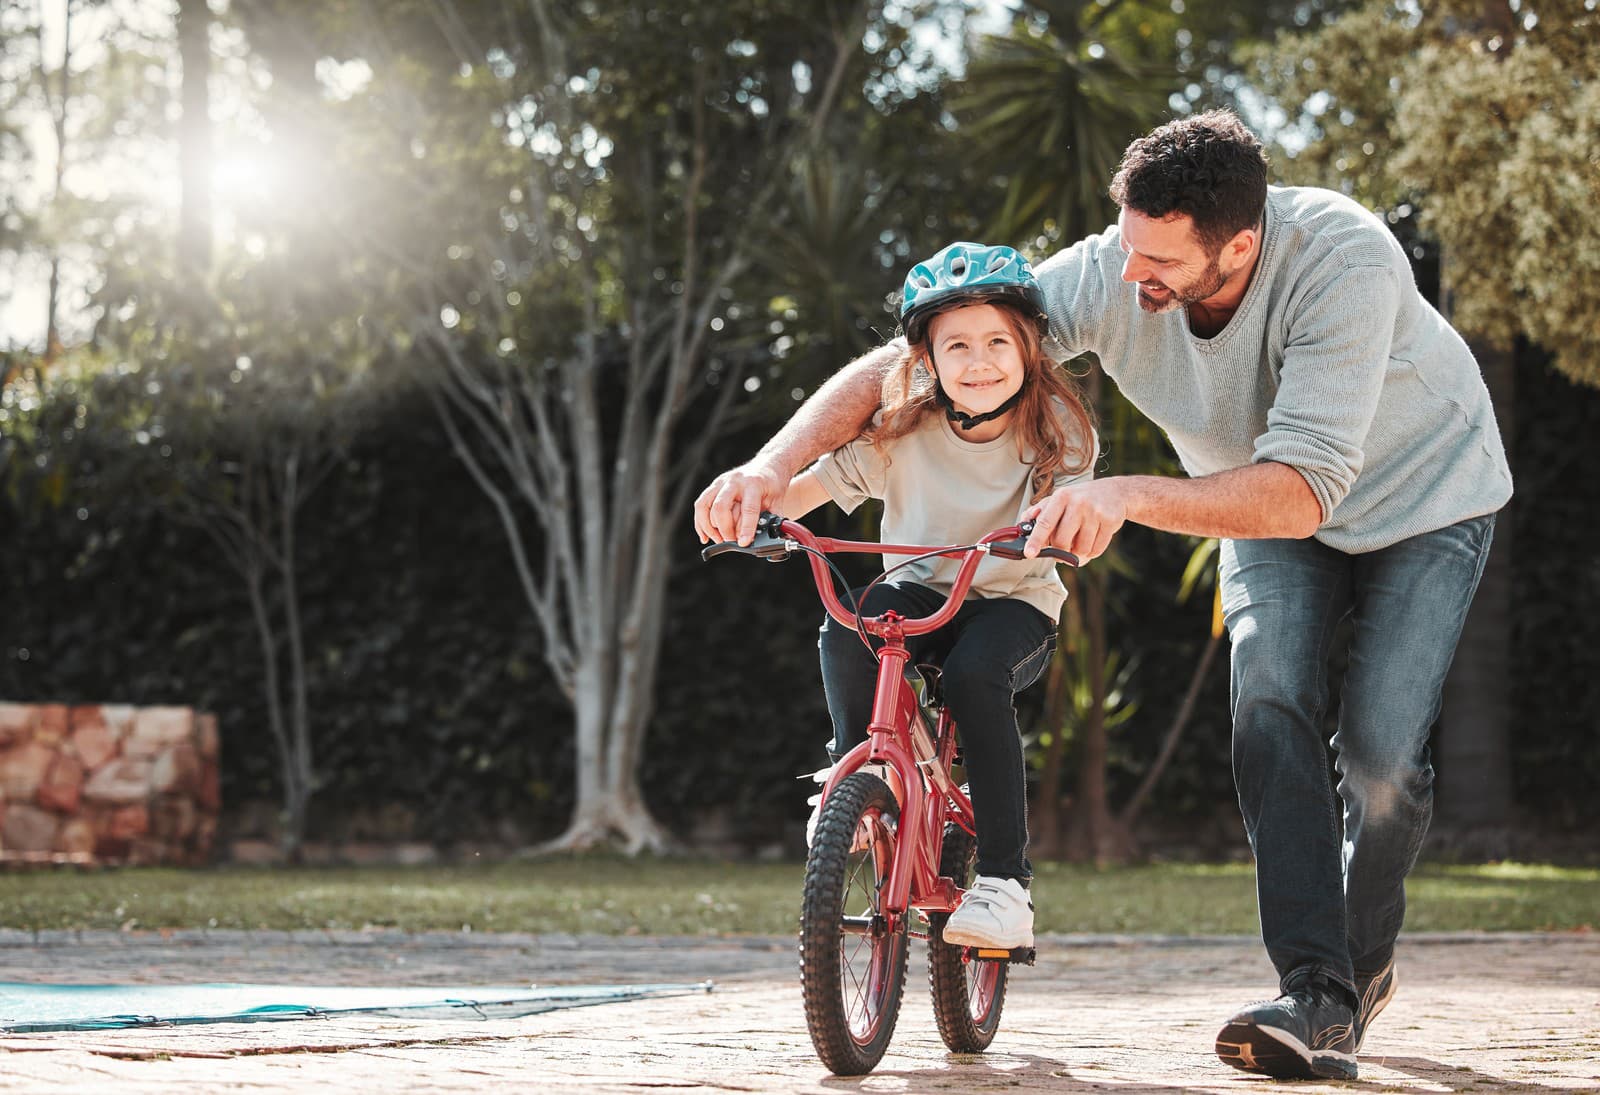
[(483, 406), (559, 646)]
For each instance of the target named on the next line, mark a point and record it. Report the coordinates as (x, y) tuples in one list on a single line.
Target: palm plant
[(1052, 106), (1048, 109)]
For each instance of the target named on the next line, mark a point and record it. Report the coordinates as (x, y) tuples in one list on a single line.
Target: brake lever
[(1012, 549), (774, 549)]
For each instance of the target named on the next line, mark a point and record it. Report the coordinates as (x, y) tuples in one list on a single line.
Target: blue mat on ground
[(30, 1008)]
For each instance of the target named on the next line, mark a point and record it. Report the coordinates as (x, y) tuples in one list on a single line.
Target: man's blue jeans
[(1332, 895)]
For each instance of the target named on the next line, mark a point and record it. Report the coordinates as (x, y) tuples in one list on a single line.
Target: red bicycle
[(888, 863)]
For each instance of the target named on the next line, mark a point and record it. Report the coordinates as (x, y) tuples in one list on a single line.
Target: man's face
[(1167, 260)]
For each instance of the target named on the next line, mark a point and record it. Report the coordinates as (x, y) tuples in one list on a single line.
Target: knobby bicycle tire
[(852, 970), (967, 996)]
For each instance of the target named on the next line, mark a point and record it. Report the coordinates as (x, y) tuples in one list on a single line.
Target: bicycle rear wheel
[(852, 968), (967, 996)]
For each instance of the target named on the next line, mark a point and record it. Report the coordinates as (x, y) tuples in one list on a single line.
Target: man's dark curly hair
[(1208, 167)]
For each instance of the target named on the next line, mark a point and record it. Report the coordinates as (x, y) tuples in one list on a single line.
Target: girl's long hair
[(1054, 428)]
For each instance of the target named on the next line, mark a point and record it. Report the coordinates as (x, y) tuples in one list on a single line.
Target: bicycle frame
[(897, 734), (866, 875)]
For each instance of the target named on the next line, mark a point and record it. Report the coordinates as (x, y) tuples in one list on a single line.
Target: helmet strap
[(969, 421)]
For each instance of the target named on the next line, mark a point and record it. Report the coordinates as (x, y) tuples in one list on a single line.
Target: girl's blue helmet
[(968, 273)]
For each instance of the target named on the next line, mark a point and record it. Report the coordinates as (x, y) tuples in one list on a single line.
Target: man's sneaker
[(995, 913), (1305, 1034), (1376, 990), (820, 777)]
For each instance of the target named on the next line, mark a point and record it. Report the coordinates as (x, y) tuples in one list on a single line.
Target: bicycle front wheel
[(967, 996), (852, 968)]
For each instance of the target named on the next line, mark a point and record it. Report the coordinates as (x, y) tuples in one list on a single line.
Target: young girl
[(976, 425)]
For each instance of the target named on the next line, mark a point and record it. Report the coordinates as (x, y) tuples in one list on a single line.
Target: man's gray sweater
[(1333, 364)]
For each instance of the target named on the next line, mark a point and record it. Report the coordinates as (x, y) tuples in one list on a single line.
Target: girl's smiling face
[(976, 356)]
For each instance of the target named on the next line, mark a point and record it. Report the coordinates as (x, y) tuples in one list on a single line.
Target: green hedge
[(436, 717)]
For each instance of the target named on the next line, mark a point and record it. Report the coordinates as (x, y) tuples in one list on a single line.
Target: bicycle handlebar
[(777, 537)]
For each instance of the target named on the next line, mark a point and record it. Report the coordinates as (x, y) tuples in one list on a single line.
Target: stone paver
[(1474, 1013)]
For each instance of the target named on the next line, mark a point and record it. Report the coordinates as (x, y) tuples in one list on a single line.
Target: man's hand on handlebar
[(1080, 518), (729, 507)]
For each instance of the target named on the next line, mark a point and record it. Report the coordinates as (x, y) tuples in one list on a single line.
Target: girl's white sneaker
[(994, 913)]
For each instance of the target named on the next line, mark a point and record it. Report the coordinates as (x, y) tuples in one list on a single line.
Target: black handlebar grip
[(1012, 549), (1026, 529), (765, 546)]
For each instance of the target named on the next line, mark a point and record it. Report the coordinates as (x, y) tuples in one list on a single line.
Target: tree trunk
[(614, 708), (194, 215), (244, 529), (58, 103), (599, 601), (1093, 834), (1044, 819), (1130, 812), (610, 810), (1475, 723), (293, 798), (615, 814), (305, 783), (1473, 743)]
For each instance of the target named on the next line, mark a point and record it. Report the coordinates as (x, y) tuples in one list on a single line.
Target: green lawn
[(605, 894)]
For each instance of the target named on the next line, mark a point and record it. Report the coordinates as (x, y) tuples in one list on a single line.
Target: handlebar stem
[(888, 626), (958, 592)]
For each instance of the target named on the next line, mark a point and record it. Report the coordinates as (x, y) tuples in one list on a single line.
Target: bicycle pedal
[(1019, 956)]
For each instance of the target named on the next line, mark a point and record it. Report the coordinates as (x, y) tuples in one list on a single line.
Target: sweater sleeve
[(1332, 374), (1074, 295), (852, 473)]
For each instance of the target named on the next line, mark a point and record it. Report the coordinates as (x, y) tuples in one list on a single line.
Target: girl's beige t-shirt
[(938, 489)]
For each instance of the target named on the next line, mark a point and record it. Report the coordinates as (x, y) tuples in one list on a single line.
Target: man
[(1339, 439)]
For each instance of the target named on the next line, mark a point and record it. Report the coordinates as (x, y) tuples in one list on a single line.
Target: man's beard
[(1206, 284)]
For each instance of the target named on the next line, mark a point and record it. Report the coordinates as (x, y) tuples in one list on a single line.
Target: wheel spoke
[(980, 997)]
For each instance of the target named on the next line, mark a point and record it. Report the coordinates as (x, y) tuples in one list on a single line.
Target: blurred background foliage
[(231, 310)]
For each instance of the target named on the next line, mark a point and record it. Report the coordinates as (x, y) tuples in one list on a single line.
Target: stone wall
[(107, 784)]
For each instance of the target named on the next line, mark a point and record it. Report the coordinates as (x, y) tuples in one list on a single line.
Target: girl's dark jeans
[(991, 650)]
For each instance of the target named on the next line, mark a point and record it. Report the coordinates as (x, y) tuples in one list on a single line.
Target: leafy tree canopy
[(1487, 117)]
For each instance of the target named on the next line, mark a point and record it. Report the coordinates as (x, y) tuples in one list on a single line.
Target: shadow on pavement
[(1437, 1074), (978, 1072)]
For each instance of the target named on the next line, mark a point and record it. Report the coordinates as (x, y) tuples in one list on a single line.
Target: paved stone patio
[(1512, 1013)]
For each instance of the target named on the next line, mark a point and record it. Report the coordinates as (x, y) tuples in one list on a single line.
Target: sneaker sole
[(987, 942), (1377, 1009), (1279, 1054)]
